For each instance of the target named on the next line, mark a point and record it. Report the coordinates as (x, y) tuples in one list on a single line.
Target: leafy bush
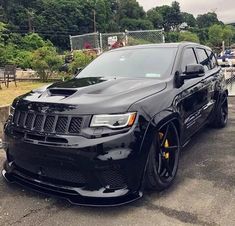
[(45, 62), (188, 36), (24, 59), (8, 54), (137, 41), (33, 41), (172, 36), (80, 60)]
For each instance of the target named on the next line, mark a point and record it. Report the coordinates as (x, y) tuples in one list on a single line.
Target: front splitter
[(68, 193)]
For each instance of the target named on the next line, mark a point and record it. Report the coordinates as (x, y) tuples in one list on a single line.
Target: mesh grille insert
[(38, 122), (21, 119), (114, 178), (29, 121), (61, 125), (49, 123), (75, 125)]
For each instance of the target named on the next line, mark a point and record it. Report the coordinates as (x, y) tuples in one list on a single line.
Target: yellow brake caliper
[(166, 155)]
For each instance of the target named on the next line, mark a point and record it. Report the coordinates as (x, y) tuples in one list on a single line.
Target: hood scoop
[(61, 92)]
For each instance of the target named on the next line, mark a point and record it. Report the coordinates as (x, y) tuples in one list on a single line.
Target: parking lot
[(203, 194)]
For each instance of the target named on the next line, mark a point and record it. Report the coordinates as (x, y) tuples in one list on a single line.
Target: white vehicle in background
[(227, 58)]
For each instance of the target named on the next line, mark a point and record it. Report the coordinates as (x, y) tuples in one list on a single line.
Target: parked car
[(117, 128), (227, 58)]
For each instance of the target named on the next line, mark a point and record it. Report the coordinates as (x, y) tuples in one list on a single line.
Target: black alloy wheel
[(224, 110), (220, 118), (163, 158)]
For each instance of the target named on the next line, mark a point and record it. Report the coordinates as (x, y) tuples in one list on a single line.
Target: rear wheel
[(220, 119), (163, 158)]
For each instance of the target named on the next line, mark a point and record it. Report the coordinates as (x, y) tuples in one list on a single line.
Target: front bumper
[(72, 194), (102, 172)]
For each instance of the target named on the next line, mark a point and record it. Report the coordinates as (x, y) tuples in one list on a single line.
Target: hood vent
[(62, 92)]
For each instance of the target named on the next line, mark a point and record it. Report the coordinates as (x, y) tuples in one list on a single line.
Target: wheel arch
[(160, 120)]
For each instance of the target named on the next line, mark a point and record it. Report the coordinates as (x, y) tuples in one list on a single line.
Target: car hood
[(97, 94)]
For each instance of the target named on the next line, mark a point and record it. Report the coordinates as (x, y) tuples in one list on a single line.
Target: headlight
[(113, 121)]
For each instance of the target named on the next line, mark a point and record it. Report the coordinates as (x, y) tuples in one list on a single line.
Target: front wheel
[(163, 158)]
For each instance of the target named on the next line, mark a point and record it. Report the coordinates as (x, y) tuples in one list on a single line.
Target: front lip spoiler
[(70, 195)]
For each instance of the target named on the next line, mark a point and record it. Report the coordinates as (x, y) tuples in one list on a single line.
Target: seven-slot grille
[(47, 123)]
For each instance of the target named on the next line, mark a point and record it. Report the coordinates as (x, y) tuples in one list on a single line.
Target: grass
[(7, 95)]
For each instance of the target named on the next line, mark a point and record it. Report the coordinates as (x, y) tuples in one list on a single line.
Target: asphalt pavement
[(203, 193)]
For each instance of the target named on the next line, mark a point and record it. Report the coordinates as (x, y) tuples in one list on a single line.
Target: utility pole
[(30, 20), (94, 19)]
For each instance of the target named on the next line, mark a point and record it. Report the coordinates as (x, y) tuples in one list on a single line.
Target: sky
[(225, 9)]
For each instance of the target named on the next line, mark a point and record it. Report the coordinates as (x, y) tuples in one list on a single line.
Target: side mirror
[(193, 71)]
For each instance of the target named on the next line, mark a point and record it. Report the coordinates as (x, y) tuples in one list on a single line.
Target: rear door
[(207, 101)]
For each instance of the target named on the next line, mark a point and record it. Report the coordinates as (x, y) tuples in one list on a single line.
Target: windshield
[(134, 63)]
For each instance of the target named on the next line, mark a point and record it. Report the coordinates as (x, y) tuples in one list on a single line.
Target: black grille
[(21, 121), (75, 125), (61, 124), (47, 123), (113, 178), (38, 122), (56, 173), (29, 121)]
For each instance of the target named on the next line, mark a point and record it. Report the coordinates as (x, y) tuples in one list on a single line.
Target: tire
[(220, 118), (161, 171)]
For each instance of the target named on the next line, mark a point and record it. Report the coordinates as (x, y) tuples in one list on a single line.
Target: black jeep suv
[(117, 127)]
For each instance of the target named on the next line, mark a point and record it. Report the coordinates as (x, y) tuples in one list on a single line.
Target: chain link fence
[(145, 37), (110, 40), (86, 41), (105, 41)]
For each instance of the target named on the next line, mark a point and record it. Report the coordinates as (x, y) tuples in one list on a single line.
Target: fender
[(157, 122)]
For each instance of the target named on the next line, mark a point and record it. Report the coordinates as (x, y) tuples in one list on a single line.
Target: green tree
[(171, 15), (2, 29), (130, 9), (202, 34), (155, 17), (189, 19), (207, 20), (228, 34), (136, 24), (188, 36), (215, 34), (32, 42)]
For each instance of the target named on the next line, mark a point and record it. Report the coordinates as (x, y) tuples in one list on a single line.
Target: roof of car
[(161, 45)]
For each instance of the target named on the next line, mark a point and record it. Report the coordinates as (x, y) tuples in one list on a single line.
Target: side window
[(212, 58), (188, 58), (203, 59)]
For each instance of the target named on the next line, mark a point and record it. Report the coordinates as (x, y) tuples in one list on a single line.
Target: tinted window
[(139, 62), (203, 59), (188, 58), (212, 58)]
